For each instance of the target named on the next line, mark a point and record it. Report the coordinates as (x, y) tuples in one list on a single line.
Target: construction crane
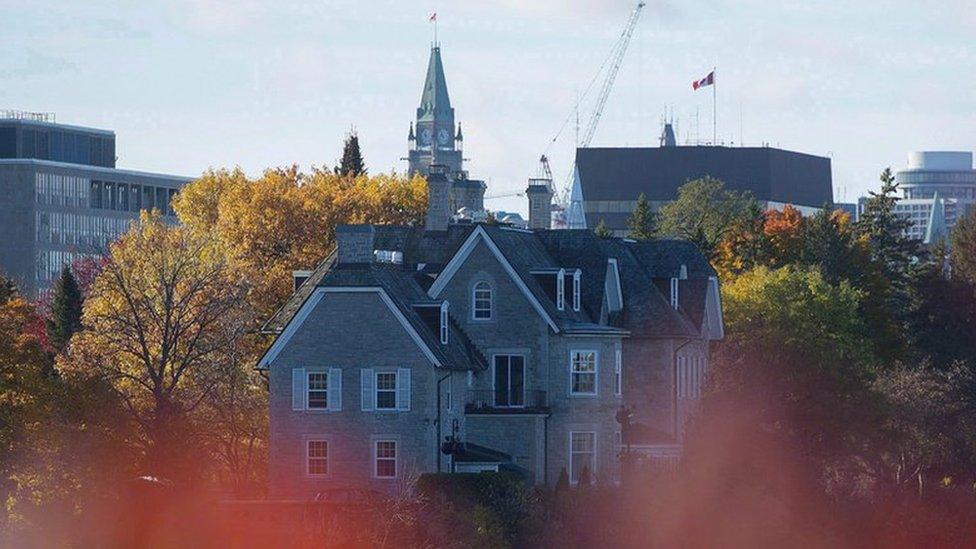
[(573, 204)]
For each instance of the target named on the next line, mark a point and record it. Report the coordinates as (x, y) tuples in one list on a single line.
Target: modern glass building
[(63, 197), (938, 187)]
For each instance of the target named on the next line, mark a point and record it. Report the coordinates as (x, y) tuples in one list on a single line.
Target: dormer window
[(577, 290), (444, 326), (674, 293), (561, 290), (481, 302)]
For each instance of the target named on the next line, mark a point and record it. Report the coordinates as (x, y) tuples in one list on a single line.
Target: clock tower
[(433, 138)]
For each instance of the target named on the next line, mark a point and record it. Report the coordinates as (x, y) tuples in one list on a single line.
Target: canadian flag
[(433, 17), (707, 81)]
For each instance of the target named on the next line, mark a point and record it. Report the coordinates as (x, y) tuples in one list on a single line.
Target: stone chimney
[(438, 198), (355, 243), (540, 203)]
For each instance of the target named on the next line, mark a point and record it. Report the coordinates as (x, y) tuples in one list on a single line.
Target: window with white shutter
[(403, 389), (298, 389), (368, 391), (335, 389)]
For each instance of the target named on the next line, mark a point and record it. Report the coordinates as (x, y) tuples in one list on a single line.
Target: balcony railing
[(488, 400)]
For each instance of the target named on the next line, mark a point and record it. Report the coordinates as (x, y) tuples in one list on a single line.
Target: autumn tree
[(641, 220), (602, 230), (704, 213), (158, 325), (64, 319), (796, 357), (285, 220)]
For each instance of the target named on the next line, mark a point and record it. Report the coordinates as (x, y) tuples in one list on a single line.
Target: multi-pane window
[(481, 307), (386, 459), (386, 386), (509, 380), (582, 454), (317, 457), (318, 390), (583, 372)]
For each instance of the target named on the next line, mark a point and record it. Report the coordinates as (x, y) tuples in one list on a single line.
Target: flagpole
[(714, 119)]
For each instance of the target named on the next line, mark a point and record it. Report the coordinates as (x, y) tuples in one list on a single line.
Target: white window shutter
[(403, 389), (298, 391), (335, 389), (368, 391)]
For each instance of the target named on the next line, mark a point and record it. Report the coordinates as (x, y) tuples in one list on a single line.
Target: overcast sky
[(192, 84)]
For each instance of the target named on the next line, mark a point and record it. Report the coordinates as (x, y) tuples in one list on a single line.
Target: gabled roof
[(430, 259), (400, 292), (283, 315)]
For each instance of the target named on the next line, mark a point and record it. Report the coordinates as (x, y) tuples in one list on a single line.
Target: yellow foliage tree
[(162, 324), (285, 220)]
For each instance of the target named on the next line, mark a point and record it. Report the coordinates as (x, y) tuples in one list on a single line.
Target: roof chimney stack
[(355, 243), (438, 198), (540, 194)]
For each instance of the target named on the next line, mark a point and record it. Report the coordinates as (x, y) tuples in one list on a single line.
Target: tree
[(941, 317), (65, 316), (963, 242), (886, 230), (705, 212), (796, 357), (602, 230), (285, 220), (159, 322), (352, 159), (641, 220)]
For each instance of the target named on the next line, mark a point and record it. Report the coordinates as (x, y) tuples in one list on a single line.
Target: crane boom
[(574, 210), (620, 49)]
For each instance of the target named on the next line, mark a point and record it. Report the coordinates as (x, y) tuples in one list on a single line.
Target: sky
[(192, 84)]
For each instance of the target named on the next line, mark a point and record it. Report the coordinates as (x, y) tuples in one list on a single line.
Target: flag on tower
[(707, 81), (433, 17)]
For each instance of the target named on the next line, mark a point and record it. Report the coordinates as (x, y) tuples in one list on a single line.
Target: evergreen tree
[(964, 247), (352, 159), (896, 257), (8, 290), (886, 230), (641, 221), (65, 317), (602, 230)]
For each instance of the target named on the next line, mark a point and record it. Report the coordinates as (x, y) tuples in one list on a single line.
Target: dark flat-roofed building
[(63, 197), (612, 178)]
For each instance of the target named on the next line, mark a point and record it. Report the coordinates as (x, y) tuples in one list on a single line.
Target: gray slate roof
[(459, 353), (645, 270)]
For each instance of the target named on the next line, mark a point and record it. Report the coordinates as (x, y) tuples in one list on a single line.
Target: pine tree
[(8, 290), (641, 222), (896, 257), (886, 231), (602, 230), (352, 163), (65, 318)]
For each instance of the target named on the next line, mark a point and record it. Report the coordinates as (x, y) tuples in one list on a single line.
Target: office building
[(611, 179), (64, 197)]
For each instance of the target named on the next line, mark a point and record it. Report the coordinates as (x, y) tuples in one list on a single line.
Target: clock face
[(425, 136), (443, 136)]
